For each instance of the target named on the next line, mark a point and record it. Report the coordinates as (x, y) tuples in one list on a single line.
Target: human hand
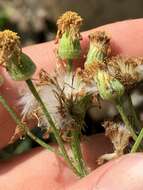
[(40, 169)]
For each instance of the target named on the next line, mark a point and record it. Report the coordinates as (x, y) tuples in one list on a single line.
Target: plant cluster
[(59, 101)]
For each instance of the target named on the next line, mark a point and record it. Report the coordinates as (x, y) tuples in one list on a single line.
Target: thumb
[(123, 173)]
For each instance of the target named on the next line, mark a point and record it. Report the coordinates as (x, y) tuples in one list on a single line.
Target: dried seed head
[(69, 22), (18, 65), (126, 70), (99, 48), (119, 136), (9, 45), (99, 37), (90, 71), (66, 96), (109, 88), (69, 36), (19, 133)]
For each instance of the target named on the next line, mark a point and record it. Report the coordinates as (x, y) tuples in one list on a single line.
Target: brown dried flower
[(99, 49), (119, 136), (9, 44), (99, 37), (125, 70), (69, 22), (19, 133)]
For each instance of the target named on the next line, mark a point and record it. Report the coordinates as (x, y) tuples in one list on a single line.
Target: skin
[(40, 169)]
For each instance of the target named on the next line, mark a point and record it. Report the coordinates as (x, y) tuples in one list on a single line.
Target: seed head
[(68, 36), (69, 22), (18, 65), (99, 48), (9, 45), (125, 70), (119, 136)]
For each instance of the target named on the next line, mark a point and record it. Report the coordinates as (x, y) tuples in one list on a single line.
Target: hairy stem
[(24, 127), (137, 126), (135, 120), (121, 110), (52, 125), (137, 142), (75, 144)]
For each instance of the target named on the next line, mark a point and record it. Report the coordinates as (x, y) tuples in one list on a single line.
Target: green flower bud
[(68, 48), (109, 88), (99, 48), (68, 36), (21, 68)]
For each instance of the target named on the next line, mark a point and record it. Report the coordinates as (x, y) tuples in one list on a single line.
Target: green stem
[(75, 144), (137, 126), (52, 124), (24, 127), (121, 110), (135, 119), (138, 141)]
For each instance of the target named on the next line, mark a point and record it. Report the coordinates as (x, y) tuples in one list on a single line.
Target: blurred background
[(36, 20)]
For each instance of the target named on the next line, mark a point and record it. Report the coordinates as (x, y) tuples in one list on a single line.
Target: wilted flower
[(68, 35), (126, 70), (99, 49), (18, 65), (66, 97), (119, 136), (9, 45), (109, 87)]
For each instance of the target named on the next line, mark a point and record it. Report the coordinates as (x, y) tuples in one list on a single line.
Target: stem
[(137, 126), (75, 144), (120, 108), (138, 141), (136, 122), (52, 124), (42, 143), (23, 126)]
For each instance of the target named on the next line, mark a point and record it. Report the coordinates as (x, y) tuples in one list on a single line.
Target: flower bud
[(109, 88), (68, 49), (99, 48), (68, 35), (18, 65), (21, 68)]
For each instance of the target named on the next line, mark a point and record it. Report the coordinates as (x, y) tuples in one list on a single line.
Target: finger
[(41, 169), (123, 173), (126, 39)]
